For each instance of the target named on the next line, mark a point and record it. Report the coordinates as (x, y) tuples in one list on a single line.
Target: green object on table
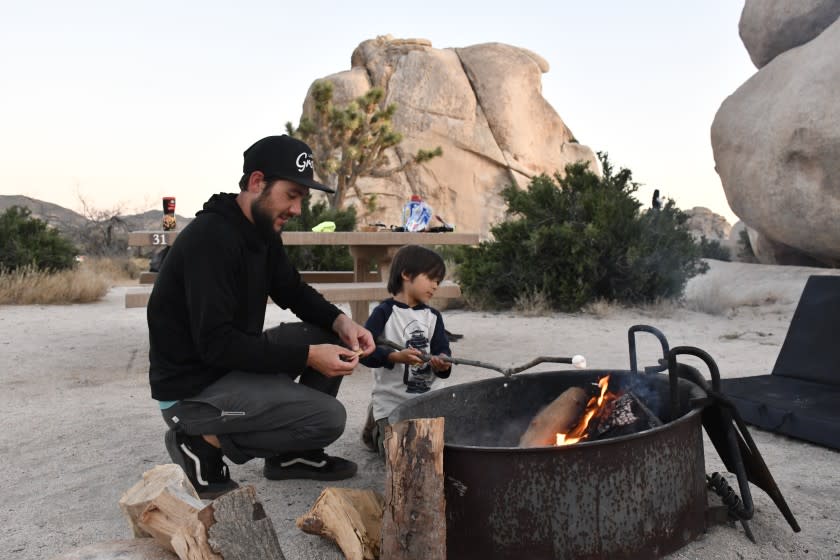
[(324, 227)]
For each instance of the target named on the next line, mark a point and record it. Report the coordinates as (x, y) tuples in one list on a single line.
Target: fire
[(593, 407)]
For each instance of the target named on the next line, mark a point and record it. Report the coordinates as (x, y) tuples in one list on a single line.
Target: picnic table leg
[(363, 258), (361, 273)]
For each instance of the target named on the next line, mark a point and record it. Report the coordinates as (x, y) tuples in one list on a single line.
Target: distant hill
[(64, 219)]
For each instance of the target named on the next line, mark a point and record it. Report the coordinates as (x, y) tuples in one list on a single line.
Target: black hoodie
[(207, 308)]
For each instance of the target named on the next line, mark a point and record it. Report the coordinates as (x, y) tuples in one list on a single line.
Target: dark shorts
[(262, 415)]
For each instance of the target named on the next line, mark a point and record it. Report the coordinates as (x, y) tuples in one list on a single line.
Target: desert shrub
[(578, 238), (29, 242), (321, 257), (712, 249)]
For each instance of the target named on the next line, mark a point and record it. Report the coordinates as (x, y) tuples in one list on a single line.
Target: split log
[(173, 522), (165, 506), (350, 517), (559, 417), (414, 520), (160, 483)]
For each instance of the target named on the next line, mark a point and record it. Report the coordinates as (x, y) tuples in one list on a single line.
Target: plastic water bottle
[(416, 214)]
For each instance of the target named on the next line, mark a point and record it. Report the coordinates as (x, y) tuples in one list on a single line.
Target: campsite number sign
[(159, 239)]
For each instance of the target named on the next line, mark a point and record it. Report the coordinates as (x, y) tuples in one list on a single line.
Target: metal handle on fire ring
[(730, 419), (577, 360), (734, 453), (631, 342)]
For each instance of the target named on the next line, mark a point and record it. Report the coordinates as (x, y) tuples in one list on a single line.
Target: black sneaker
[(315, 465), (203, 464)]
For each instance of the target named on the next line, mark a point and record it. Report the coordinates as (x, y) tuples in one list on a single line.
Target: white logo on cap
[(303, 161)]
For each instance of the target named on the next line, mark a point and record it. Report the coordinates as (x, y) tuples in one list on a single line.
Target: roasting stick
[(577, 360)]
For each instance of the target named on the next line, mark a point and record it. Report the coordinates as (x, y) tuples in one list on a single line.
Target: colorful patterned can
[(169, 213)]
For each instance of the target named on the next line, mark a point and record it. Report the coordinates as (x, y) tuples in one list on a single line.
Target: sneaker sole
[(292, 473), (212, 493)]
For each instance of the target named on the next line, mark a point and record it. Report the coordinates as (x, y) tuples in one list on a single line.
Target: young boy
[(407, 320)]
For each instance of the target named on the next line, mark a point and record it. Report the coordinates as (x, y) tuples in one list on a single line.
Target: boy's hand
[(439, 363), (411, 356)]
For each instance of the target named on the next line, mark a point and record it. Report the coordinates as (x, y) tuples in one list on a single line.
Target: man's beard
[(264, 221)]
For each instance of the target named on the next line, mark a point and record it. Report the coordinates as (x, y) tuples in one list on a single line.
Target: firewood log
[(165, 506), (559, 417), (350, 517), (167, 480), (238, 527), (414, 520)]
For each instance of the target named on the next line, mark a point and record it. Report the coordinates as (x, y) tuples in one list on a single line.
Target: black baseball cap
[(283, 157)]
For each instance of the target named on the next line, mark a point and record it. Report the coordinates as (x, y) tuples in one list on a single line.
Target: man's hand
[(332, 360), (354, 335)]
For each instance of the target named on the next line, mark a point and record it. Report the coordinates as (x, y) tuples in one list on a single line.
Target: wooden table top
[(354, 238)]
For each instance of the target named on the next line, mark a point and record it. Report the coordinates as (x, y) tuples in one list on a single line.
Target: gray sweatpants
[(262, 415)]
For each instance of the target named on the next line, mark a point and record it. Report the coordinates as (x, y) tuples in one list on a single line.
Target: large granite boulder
[(482, 104), (771, 27), (776, 144)]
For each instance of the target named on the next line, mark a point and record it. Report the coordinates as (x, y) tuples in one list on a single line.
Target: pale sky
[(125, 102)]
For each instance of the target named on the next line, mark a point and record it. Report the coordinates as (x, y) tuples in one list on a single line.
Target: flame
[(594, 405)]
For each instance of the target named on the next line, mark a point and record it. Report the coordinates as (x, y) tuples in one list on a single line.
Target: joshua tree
[(351, 142)]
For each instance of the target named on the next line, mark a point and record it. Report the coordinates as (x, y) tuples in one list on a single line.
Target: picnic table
[(372, 253)]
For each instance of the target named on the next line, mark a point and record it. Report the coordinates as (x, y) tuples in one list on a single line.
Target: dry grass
[(660, 308), (600, 308), (116, 269), (29, 286), (714, 298), (88, 282), (533, 304), (711, 299)]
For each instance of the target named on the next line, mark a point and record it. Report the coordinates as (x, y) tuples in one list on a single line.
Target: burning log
[(559, 417), (622, 416), (576, 415)]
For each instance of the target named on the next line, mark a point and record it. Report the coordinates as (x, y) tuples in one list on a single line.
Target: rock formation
[(769, 28), (482, 104), (776, 143), (704, 222)]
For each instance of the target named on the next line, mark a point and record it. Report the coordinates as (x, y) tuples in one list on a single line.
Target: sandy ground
[(79, 428)]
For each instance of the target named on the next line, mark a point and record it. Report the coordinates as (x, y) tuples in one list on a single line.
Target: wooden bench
[(336, 292), (308, 276)]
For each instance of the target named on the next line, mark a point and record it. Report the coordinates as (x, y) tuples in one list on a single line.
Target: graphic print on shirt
[(417, 378)]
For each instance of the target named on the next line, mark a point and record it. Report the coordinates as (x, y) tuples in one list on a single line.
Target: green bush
[(580, 239), (712, 249), (321, 257), (29, 242)]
